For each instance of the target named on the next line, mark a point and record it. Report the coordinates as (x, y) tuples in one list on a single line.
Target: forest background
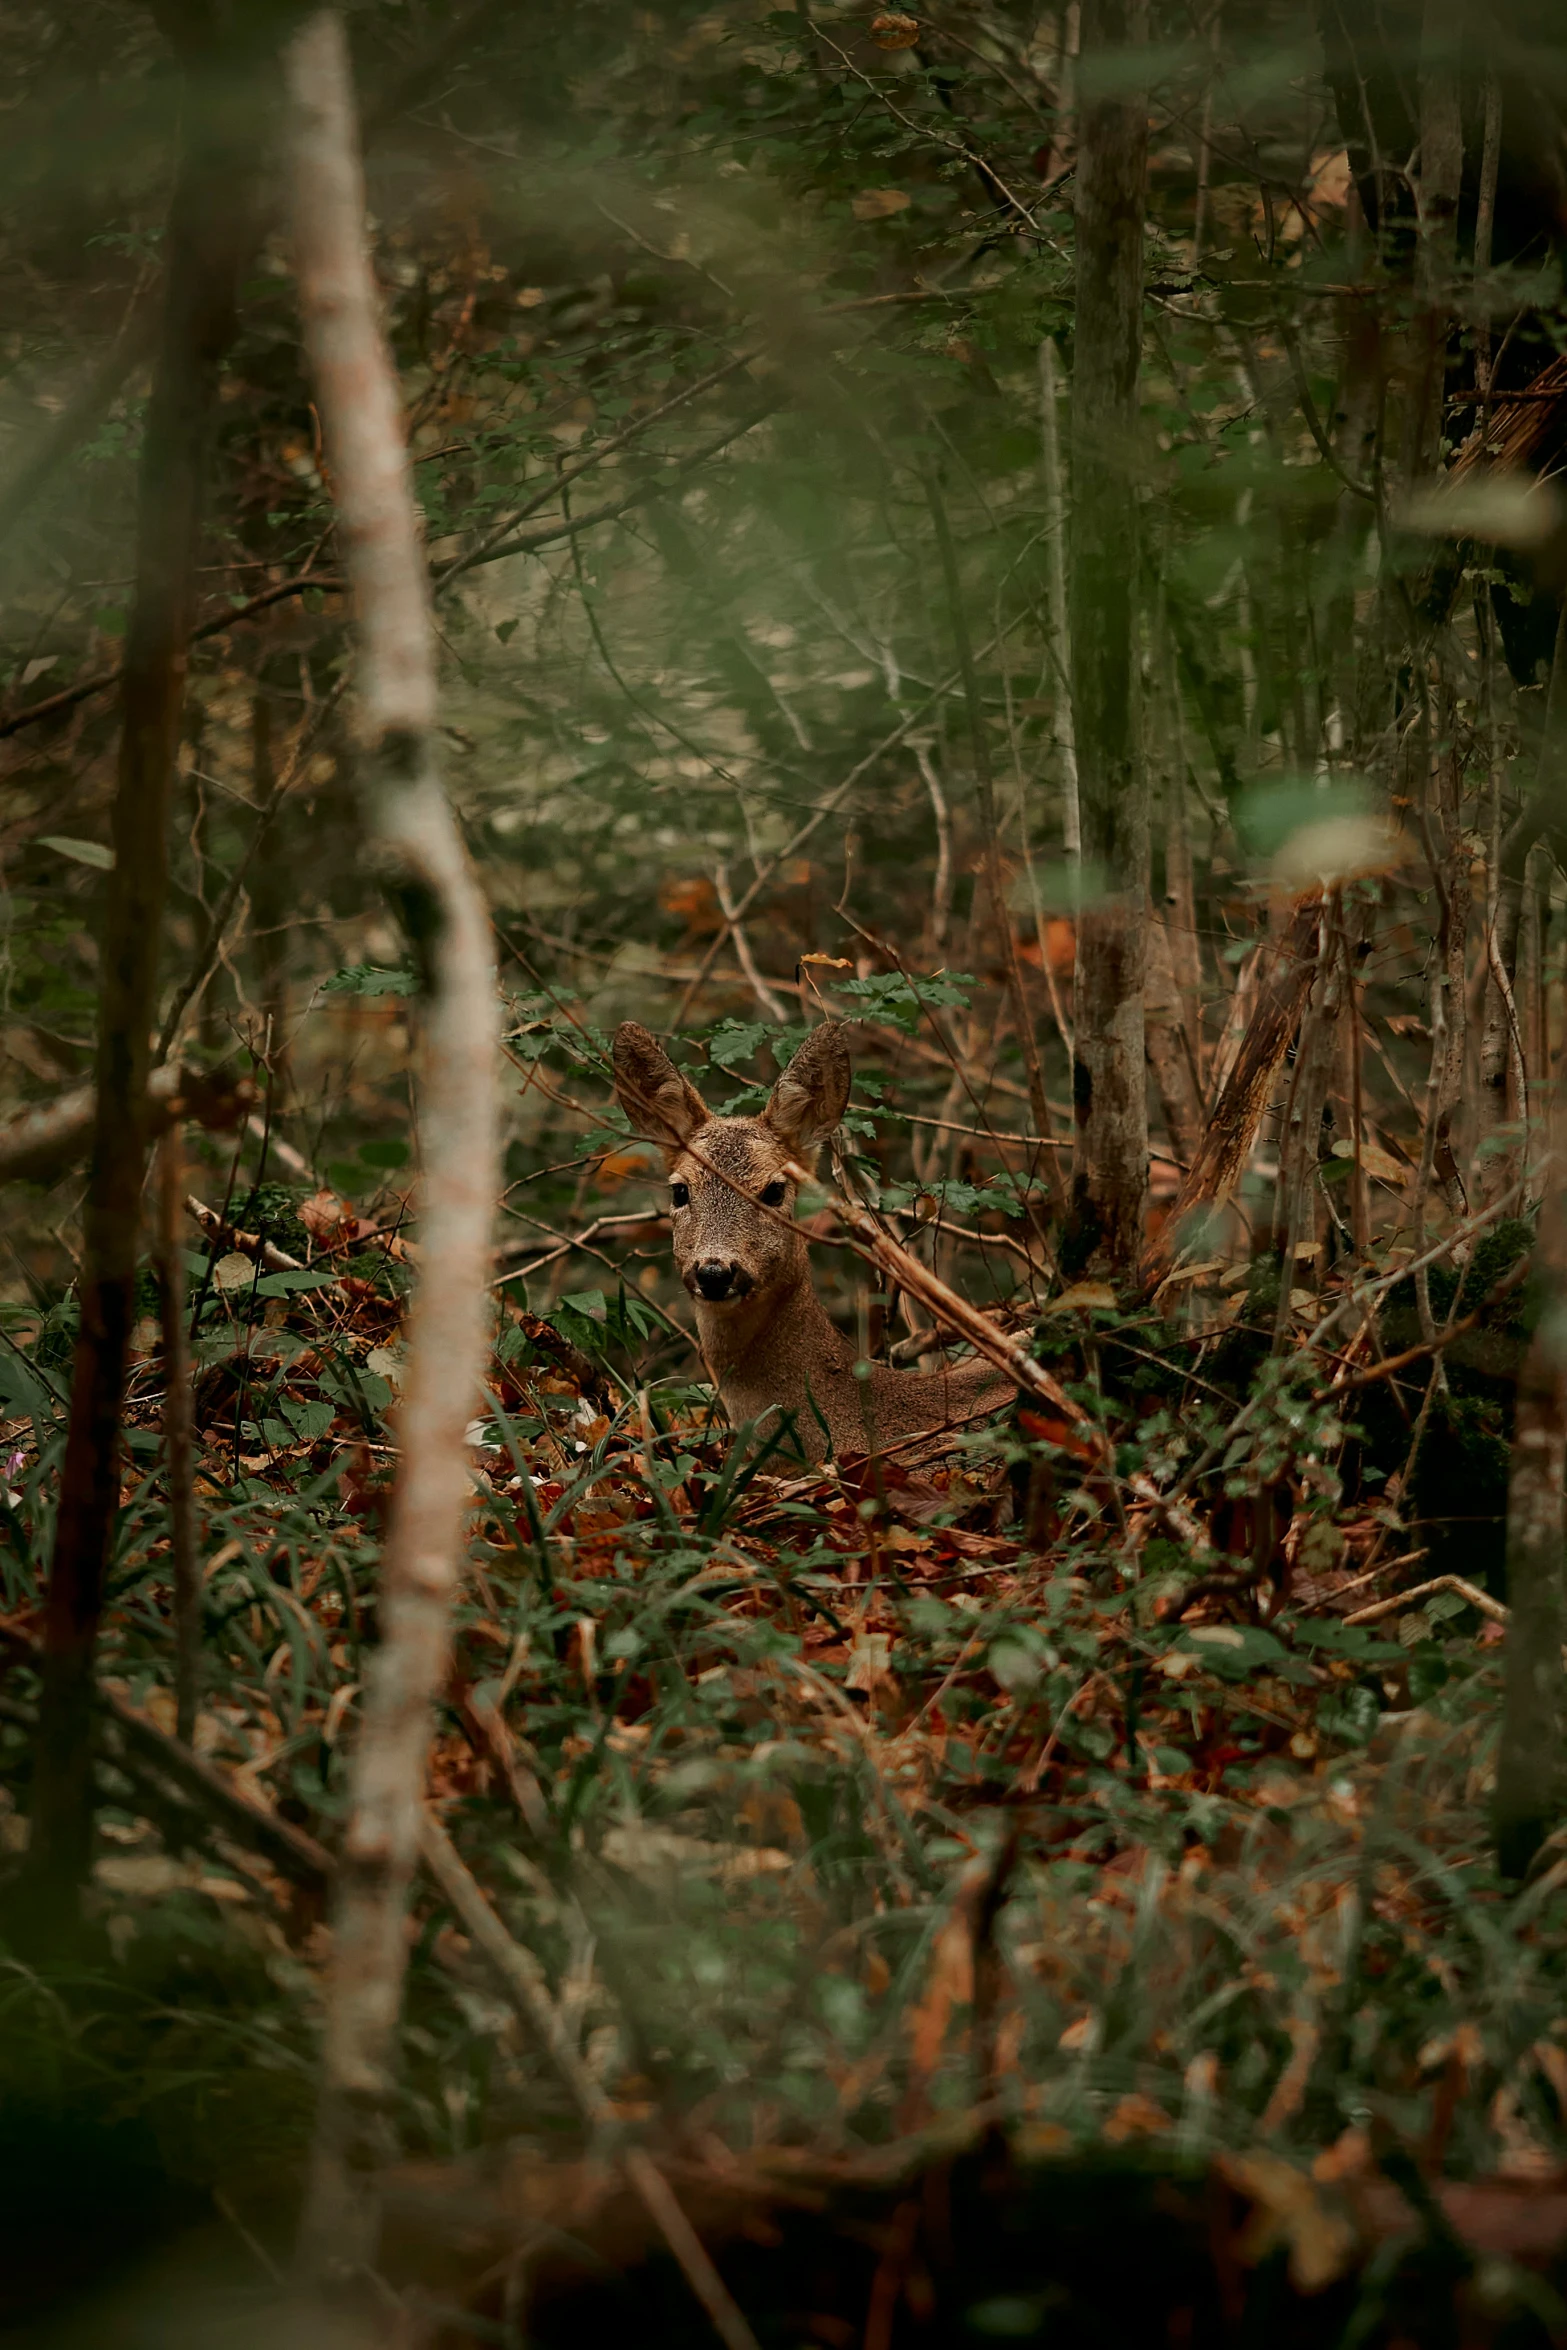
[(1026, 530)]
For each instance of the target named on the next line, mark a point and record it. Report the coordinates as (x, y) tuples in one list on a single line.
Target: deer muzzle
[(718, 1280)]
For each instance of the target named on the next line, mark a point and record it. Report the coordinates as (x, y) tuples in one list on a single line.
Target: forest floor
[(943, 1865)]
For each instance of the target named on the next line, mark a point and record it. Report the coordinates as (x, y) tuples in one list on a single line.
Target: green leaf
[(81, 852), (899, 999), (289, 1284), (384, 1154)]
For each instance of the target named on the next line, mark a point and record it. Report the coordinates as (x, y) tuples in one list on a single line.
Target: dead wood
[(40, 1143), (1232, 1129)]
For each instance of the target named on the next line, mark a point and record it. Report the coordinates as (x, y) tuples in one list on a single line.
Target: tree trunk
[(205, 236), (1502, 1041), (1441, 179), (1180, 893), (179, 1447), (413, 830), (1055, 574), (1168, 1057), (1110, 1168), (1529, 1776), (995, 874)]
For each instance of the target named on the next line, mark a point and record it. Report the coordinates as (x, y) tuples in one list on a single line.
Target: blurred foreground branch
[(207, 232), (413, 830)]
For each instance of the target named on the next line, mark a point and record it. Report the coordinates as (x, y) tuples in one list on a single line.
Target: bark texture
[(1502, 1052), (1110, 1167), (179, 1434), (1168, 1056), (1232, 1129), (415, 834), (1529, 1773), (205, 235)]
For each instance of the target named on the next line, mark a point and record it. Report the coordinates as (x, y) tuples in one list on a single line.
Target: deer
[(770, 1348)]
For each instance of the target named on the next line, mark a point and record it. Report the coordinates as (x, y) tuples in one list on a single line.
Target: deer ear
[(813, 1092), (663, 1106)]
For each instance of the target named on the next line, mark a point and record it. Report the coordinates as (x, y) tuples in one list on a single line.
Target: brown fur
[(767, 1341)]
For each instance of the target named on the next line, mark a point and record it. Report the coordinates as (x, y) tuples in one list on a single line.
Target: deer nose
[(715, 1279)]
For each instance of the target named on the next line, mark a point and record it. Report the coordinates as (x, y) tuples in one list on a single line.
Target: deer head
[(731, 1193)]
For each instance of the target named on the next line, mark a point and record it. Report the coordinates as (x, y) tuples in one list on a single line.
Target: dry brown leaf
[(324, 1214), (1136, 2116), (1287, 2209), (879, 203)]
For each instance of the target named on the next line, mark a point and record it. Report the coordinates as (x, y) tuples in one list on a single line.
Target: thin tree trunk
[(941, 886), (1110, 1100), (1180, 889), (1055, 575), (1485, 223), (1503, 1042), (1456, 891), (1166, 1044), (1215, 30), (413, 829), (1440, 182), (179, 1434), (1529, 1776), (995, 875), (205, 234), (1300, 1145), (272, 896), (1351, 932)]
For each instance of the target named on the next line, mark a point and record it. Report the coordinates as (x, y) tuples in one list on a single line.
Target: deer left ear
[(662, 1104), (813, 1092)]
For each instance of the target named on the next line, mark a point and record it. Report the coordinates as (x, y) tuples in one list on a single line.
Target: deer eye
[(680, 1195), (775, 1193)]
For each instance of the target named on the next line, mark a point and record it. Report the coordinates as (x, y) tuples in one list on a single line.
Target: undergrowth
[(836, 1803)]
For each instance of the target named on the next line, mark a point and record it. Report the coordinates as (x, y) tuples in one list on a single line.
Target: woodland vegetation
[(1028, 531)]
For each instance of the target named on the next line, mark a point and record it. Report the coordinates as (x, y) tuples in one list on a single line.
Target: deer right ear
[(663, 1106), (813, 1092)]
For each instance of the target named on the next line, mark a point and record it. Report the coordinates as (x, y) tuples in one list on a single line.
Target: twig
[(223, 1234), (828, 807), (960, 1316), (1401, 1599), (742, 946)]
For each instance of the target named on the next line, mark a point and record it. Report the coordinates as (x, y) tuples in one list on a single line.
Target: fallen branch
[(246, 1244), (956, 1313), (42, 1141), (1401, 1599)]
